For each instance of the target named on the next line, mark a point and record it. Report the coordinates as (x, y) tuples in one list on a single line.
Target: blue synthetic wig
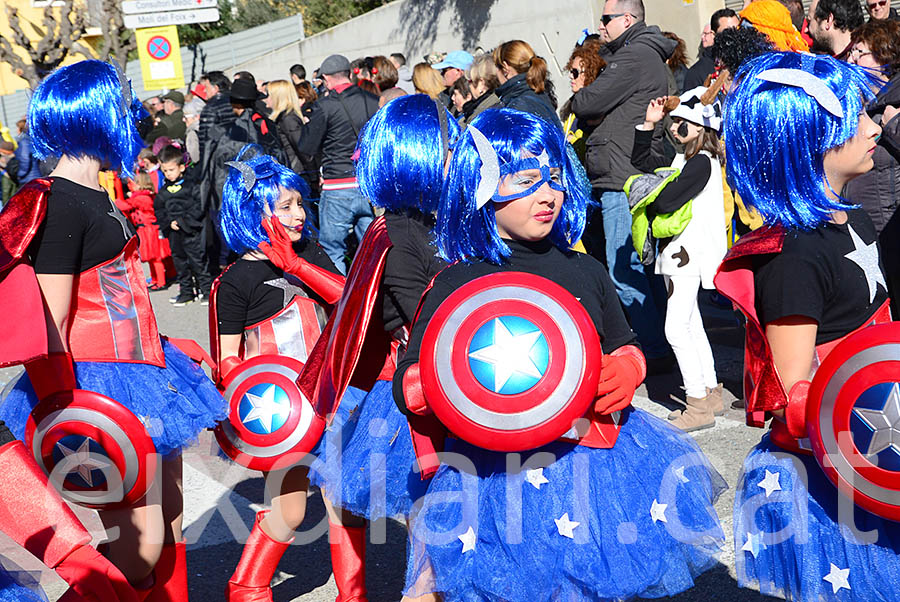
[(776, 135), (242, 210), (401, 154), (79, 111), (465, 232)]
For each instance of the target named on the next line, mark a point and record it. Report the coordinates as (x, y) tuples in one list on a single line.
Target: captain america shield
[(270, 423), (853, 417), (510, 361), (95, 451)]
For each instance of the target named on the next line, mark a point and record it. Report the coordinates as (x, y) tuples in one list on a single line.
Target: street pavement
[(221, 498)]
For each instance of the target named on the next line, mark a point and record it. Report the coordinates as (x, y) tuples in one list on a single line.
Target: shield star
[(264, 408), (754, 544), (509, 354), (866, 257), (536, 477), (838, 578), (885, 424), (770, 483), (658, 512), (565, 526), (84, 463), (468, 540)]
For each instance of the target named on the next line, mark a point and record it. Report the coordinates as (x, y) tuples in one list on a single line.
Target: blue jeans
[(338, 211), (632, 284)]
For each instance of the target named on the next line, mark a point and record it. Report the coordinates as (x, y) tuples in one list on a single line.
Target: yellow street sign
[(160, 55)]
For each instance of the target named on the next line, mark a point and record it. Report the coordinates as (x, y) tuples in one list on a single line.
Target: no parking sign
[(160, 55)]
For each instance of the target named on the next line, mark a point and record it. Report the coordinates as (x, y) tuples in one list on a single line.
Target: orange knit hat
[(773, 19)]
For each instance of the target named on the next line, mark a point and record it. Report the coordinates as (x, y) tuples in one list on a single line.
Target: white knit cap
[(692, 109)]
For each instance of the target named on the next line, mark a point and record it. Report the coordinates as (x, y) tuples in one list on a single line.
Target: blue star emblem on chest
[(875, 425), (508, 355), (264, 409)]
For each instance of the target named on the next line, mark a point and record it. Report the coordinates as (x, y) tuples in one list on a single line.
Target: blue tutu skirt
[(19, 586), (789, 542), (371, 470), (573, 523), (175, 403)]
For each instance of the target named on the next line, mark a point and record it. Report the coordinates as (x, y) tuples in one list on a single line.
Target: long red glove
[(413, 394), (34, 516), (327, 285), (795, 412), (622, 373), (51, 374)]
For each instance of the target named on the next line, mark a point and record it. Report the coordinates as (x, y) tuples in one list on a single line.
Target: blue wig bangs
[(401, 154), (777, 135), (463, 231), (79, 111), (243, 210)]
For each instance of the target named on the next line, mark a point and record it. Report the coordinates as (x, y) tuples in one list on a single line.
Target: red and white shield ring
[(95, 451), (853, 417), (270, 424), (510, 361)]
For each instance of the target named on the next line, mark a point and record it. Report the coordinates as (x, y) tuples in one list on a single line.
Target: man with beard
[(830, 24)]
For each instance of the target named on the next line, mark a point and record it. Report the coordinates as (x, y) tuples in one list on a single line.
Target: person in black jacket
[(523, 78), (333, 130), (218, 107), (184, 220), (722, 19)]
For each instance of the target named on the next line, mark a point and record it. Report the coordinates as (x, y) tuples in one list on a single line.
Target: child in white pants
[(688, 259)]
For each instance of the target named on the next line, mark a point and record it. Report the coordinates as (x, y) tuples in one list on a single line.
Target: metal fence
[(219, 54)]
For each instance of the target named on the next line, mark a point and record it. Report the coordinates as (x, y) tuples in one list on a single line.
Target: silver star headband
[(248, 176), (810, 84), (490, 168), (125, 85)]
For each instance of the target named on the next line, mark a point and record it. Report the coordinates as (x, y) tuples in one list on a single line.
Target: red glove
[(94, 578), (622, 373), (413, 394), (52, 374), (795, 412), (227, 365), (280, 252)]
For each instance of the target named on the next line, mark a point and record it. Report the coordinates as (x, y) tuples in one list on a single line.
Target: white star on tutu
[(770, 483), (885, 424), (85, 462), (265, 408), (508, 354), (468, 540), (838, 578), (658, 512), (679, 472), (536, 477), (566, 526), (754, 544), (866, 257)]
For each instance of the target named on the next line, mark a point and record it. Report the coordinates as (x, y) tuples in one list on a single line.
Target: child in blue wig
[(102, 331), (370, 471), (796, 132), (271, 301), (591, 519)]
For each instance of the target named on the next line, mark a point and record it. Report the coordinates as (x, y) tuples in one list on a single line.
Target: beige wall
[(684, 17)]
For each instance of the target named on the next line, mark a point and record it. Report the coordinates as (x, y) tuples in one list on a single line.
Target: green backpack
[(642, 190)]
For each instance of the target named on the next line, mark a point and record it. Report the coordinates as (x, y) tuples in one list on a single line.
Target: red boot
[(348, 562), (252, 579), (171, 575)]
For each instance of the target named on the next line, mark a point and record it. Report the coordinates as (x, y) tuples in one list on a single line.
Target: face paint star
[(754, 544), (84, 462), (658, 512), (536, 477), (885, 424), (565, 526), (264, 408), (770, 483), (838, 578), (866, 257), (509, 354), (468, 540)]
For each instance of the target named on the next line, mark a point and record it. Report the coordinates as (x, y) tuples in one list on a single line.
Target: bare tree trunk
[(118, 40)]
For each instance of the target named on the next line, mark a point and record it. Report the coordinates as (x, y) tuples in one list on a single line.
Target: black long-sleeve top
[(691, 182), (580, 274)]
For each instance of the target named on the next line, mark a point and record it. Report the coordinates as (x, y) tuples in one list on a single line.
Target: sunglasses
[(605, 19), (872, 5), (574, 73)]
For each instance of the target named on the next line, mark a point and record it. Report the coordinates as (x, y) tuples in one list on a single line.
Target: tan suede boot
[(698, 415), (716, 399)]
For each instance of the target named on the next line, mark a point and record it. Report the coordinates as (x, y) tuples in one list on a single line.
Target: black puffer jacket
[(331, 132), (217, 112), (636, 73), (515, 93), (290, 129)]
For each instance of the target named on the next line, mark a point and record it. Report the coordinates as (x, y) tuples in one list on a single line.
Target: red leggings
[(161, 271)]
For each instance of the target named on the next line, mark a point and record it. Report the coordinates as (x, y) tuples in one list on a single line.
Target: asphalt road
[(222, 498)]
